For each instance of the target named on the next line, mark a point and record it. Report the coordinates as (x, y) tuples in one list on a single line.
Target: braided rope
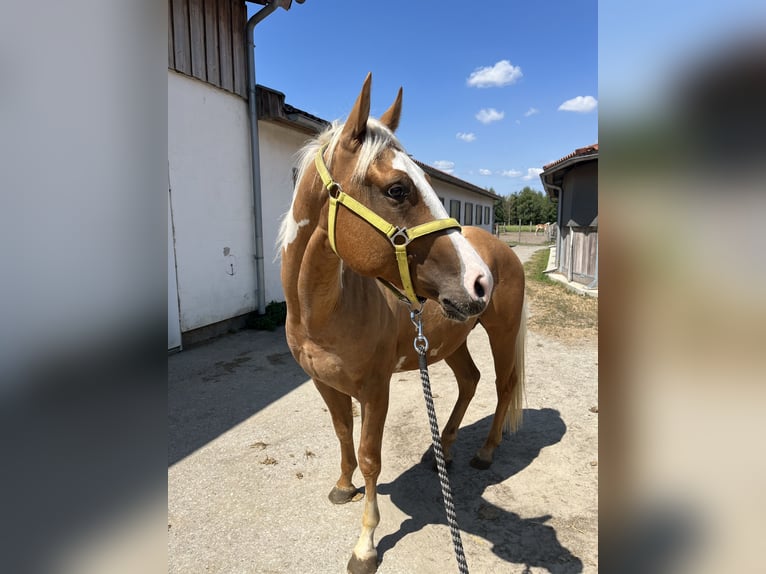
[(449, 507)]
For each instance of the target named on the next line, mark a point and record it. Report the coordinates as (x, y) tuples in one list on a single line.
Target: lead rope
[(421, 346)]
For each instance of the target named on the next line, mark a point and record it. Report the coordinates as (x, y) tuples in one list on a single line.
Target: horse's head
[(379, 198)]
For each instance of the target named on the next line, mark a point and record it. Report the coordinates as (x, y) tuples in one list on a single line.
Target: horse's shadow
[(527, 541)]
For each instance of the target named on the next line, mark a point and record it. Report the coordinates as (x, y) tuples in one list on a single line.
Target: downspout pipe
[(255, 148)]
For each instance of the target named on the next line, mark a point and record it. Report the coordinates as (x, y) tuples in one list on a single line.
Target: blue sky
[(527, 60)]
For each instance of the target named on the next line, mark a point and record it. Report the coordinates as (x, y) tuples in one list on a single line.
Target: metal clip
[(420, 343), (402, 234), (334, 189)]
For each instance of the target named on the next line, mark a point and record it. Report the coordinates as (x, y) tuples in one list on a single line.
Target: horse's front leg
[(364, 559), (339, 406)]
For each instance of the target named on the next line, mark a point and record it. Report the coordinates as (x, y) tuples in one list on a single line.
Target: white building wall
[(448, 191), (211, 201), (278, 145)]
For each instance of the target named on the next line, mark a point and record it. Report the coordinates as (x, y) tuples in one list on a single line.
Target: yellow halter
[(399, 237)]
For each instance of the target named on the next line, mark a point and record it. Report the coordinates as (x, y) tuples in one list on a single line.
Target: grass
[(535, 267), (515, 228), (555, 310)]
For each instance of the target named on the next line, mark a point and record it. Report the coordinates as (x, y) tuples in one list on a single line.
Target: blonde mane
[(378, 138)]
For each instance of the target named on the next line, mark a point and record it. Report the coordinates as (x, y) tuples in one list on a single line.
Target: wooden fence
[(579, 245)]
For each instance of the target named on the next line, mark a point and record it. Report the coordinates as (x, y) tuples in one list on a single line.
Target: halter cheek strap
[(399, 237)]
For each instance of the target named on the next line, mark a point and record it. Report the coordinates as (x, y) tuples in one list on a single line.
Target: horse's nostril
[(479, 288)]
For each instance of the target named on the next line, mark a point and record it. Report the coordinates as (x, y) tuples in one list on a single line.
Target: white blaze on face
[(404, 163), (472, 264)]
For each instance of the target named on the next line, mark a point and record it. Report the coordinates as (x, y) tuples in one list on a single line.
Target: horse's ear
[(392, 115), (355, 127)]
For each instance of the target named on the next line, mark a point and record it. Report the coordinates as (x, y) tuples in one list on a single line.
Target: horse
[(366, 239), (541, 227)]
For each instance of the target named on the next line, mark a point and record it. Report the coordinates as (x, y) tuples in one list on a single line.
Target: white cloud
[(581, 104), (532, 173), (531, 112), (469, 137), (510, 173), (489, 115), (445, 165), (501, 74), (485, 171)]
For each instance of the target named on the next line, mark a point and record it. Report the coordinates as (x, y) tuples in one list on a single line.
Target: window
[(478, 215), (468, 215), (442, 200), (486, 215), (454, 209)]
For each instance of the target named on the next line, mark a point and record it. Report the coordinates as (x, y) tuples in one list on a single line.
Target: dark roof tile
[(587, 150)]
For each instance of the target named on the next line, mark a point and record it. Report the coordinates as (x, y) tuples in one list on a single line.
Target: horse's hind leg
[(467, 376), (508, 353), (505, 391), (339, 406)]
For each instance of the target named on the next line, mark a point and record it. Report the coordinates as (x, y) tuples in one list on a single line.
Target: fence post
[(519, 229), (571, 254)]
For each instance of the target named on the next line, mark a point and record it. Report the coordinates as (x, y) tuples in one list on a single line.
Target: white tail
[(515, 409)]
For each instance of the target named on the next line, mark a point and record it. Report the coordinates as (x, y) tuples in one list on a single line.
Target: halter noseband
[(400, 237)]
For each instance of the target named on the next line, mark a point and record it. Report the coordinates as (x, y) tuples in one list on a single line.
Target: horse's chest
[(328, 365)]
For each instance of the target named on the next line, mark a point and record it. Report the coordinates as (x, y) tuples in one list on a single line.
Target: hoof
[(342, 495), (480, 463), (366, 566)]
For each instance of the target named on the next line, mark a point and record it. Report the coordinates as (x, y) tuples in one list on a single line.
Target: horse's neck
[(330, 295), (319, 292), (319, 283)]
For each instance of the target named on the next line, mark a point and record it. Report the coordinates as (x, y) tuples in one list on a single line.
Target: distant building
[(573, 181)]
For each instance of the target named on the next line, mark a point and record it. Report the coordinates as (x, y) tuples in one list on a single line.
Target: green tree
[(504, 210), (511, 207), (500, 210), (531, 206), (549, 209), (528, 206)]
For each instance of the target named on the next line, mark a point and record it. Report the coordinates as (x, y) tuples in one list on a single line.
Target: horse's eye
[(397, 192)]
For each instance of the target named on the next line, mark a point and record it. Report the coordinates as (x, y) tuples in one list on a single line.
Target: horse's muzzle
[(462, 311)]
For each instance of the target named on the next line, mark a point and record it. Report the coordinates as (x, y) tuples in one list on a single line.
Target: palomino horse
[(342, 262), (542, 227)]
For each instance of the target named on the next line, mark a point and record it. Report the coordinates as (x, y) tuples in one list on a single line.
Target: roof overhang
[(282, 3), (272, 108), (553, 176)]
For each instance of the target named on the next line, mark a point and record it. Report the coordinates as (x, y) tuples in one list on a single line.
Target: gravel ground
[(252, 456)]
